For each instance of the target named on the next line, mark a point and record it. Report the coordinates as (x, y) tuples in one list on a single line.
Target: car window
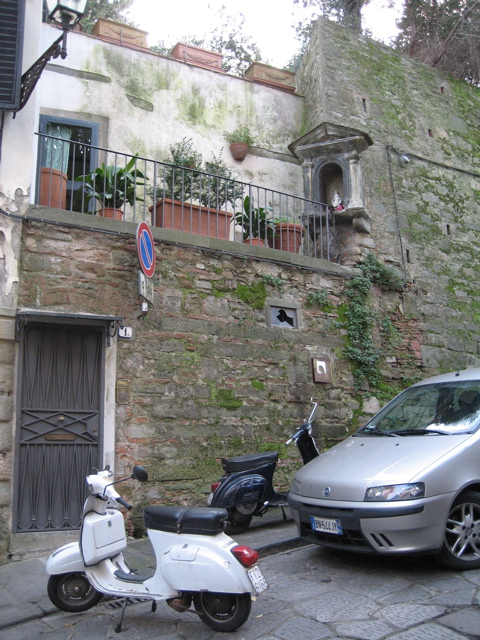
[(440, 409)]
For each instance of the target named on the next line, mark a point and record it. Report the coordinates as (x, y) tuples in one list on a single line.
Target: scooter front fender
[(66, 559), (242, 489)]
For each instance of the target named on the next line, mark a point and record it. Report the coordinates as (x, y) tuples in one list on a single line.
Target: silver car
[(406, 482)]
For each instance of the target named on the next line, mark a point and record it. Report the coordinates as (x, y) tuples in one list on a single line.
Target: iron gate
[(60, 419)]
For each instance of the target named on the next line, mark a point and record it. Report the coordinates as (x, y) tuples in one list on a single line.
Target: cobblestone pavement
[(314, 594)]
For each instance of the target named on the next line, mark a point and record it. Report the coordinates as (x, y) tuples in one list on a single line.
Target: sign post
[(147, 258)]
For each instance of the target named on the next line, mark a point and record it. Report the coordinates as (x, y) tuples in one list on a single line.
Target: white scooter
[(195, 560)]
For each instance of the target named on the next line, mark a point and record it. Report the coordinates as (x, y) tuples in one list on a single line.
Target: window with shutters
[(12, 16)]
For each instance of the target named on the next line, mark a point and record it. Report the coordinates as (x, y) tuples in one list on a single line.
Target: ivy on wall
[(359, 320)]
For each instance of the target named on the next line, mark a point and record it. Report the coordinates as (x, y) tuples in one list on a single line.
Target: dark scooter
[(246, 488)]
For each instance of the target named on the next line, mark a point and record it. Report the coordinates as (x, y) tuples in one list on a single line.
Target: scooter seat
[(250, 461), (204, 521)]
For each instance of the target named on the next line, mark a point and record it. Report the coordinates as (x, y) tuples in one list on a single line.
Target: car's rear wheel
[(461, 545)]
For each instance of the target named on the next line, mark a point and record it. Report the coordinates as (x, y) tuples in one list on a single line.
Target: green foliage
[(110, 9), (317, 298), (185, 179), (256, 222), (238, 49), (273, 281), (113, 185), (388, 332), (257, 384), (348, 13), (161, 48), (443, 35), (359, 320), (378, 273), (220, 188), (240, 134), (359, 324)]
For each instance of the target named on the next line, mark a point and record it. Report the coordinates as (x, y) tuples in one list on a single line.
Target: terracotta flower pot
[(239, 150), (191, 218), (111, 212), (288, 236), (257, 242), (53, 188)]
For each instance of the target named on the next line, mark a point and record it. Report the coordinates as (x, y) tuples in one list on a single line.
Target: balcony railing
[(80, 177)]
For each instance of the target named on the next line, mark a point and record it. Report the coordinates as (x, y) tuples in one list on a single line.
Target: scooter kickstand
[(118, 626), (283, 512)]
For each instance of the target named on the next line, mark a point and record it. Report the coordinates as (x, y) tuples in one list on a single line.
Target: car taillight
[(214, 486), (245, 555)]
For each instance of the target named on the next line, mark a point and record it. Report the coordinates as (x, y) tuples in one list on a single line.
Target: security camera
[(404, 160)]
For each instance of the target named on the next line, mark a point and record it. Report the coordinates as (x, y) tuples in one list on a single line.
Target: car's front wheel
[(461, 545)]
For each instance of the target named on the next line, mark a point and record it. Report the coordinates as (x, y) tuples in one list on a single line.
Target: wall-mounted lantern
[(66, 14)]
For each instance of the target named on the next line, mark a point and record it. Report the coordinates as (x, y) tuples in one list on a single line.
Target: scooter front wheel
[(72, 592), (222, 611)]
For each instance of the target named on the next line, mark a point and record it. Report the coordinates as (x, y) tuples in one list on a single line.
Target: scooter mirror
[(139, 473)]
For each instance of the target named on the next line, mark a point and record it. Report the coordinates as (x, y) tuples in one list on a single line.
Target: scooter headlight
[(386, 493)]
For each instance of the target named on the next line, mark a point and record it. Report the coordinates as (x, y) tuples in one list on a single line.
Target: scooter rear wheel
[(72, 592), (239, 519), (222, 611)]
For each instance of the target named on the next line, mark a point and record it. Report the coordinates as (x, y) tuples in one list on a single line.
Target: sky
[(269, 22)]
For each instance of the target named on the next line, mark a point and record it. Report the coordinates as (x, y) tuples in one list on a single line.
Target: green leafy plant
[(220, 187), (182, 180), (318, 298), (359, 324), (273, 281), (239, 135), (256, 222), (380, 274), (113, 185)]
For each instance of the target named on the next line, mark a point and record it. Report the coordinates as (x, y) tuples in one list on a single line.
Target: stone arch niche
[(330, 157)]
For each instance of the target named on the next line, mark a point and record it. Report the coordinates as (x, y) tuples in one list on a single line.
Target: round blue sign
[(146, 249)]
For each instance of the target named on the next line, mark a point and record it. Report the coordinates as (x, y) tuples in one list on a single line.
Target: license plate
[(326, 525), (258, 581), (209, 499)]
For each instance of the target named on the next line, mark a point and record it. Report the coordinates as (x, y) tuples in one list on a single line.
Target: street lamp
[(66, 13)]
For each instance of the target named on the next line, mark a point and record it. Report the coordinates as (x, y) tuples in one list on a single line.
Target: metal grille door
[(60, 420)]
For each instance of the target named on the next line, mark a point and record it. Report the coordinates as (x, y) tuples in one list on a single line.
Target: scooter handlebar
[(124, 503)]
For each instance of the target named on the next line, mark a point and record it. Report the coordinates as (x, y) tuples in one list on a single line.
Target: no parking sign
[(146, 249)]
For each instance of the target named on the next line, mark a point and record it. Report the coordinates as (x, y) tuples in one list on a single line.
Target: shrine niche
[(330, 156)]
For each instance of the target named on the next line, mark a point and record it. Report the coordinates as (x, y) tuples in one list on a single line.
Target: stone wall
[(207, 376), (424, 214)]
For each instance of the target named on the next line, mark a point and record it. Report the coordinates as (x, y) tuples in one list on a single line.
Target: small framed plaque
[(322, 370)]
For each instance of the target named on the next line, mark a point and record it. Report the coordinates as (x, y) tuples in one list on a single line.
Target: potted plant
[(112, 186), (183, 188), (53, 175), (256, 223), (240, 140), (288, 235)]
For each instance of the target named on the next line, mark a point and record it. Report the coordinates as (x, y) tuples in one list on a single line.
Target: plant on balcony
[(240, 139), (181, 178), (256, 222), (219, 188), (113, 186), (184, 187), (288, 235)]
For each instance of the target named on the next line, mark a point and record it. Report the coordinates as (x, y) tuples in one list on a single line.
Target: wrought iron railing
[(81, 177)]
